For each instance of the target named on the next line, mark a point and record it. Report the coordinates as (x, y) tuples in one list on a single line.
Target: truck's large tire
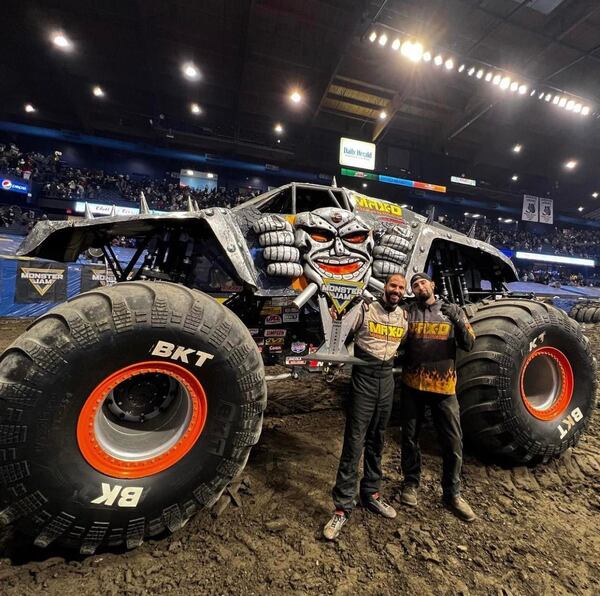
[(586, 311), (527, 389), (124, 410)]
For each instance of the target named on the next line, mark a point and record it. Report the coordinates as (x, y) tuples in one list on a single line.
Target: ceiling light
[(508, 220), (548, 96), (295, 97), (514, 86), (556, 99), (523, 89), (541, 95), (278, 128), (449, 64), (496, 80), (505, 83), (471, 71), (382, 115), (533, 92), (466, 214), (383, 39), (210, 175), (571, 164), (438, 60), (364, 185), (373, 36), (195, 108), (98, 91), (60, 40), (461, 68), (427, 57), (595, 195), (189, 172), (570, 105), (29, 108), (500, 219), (488, 77), (517, 148), (479, 73), (577, 108), (514, 178), (395, 44), (585, 110), (190, 71), (412, 50), (562, 102), (580, 209)]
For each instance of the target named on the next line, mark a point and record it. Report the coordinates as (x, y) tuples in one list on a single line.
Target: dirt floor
[(538, 530)]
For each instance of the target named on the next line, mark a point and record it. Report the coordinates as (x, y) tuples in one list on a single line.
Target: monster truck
[(127, 408)]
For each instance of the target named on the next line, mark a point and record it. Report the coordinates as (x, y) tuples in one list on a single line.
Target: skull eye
[(320, 235), (356, 237)]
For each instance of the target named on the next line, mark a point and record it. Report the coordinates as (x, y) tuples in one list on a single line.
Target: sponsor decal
[(128, 496), (275, 341), (282, 301), (291, 309), (273, 320), (41, 282), (312, 349), (430, 330), (275, 332), (342, 292), (381, 331), (569, 422), (96, 277), (298, 347), (291, 317), (294, 361), (254, 331), (271, 310), (165, 349), (537, 341), (461, 180), (274, 349), (375, 206), (14, 186)]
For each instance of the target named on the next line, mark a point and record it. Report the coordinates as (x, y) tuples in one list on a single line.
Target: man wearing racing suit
[(379, 331), (435, 329)]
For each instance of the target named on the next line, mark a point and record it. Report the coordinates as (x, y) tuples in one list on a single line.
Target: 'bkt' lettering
[(128, 496), (165, 349), (570, 421)]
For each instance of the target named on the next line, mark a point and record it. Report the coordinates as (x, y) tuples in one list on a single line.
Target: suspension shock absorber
[(439, 266)]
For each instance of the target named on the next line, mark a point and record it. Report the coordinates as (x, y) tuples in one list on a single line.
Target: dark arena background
[(171, 399)]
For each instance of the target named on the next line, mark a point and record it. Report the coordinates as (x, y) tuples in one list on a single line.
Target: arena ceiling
[(251, 54)]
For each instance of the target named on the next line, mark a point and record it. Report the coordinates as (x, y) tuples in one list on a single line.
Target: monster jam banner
[(96, 276), (531, 207), (38, 281), (546, 211)]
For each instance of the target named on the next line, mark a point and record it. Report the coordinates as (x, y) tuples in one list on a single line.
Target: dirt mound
[(537, 530)]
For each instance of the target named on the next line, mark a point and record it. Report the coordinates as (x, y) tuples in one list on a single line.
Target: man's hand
[(452, 312)]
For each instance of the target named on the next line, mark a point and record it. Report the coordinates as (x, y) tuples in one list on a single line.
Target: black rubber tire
[(46, 485), (586, 311), (494, 418)]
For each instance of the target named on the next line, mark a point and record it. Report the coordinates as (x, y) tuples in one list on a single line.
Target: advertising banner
[(357, 154), (531, 207), (95, 277), (546, 211), (38, 281), (12, 185)]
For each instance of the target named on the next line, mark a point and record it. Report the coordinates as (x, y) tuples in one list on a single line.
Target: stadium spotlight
[(383, 39), (570, 105), (438, 60), (461, 68), (585, 110), (449, 64), (505, 83), (556, 99), (571, 164), (364, 185), (562, 102), (533, 92), (517, 148), (373, 36), (514, 86), (413, 50), (595, 195), (427, 57), (479, 73), (61, 41), (514, 178), (496, 80), (577, 108), (278, 128), (471, 71), (396, 44), (541, 95), (523, 90), (382, 115), (98, 91), (488, 77), (29, 108), (508, 220), (190, 71), (580, 209), (548, 97), (210, 175), (295, 97), (195, 109)]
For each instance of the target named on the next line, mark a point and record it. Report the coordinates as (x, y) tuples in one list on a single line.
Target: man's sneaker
[(409, 495), (334, 526), (376, 504), (460, 508)]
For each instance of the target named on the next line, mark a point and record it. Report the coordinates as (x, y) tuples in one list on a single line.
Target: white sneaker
[(334, 526)]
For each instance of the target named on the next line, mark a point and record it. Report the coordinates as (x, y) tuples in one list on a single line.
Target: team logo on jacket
[(381, 331), (430, 330)]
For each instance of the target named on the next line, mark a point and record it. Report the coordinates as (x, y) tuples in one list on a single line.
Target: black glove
[(452, 312)]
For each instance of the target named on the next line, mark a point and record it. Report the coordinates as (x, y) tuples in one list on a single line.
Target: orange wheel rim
[(546, 383), (128, 461)]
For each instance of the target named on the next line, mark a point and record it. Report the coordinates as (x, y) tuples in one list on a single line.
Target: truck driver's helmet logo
[(335, 244)]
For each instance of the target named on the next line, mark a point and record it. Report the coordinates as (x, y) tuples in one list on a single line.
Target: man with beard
[(378, 333), (435, 329)]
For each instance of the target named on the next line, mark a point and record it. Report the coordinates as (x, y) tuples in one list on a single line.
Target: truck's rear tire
[(122, 412), (527, 389), (586, 311)]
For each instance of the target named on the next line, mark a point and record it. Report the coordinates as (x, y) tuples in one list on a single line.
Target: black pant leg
[(412, 409), (375, 438), (445, 412), (361, 407)]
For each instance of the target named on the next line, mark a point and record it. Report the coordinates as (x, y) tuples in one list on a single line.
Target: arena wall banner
[(546, 211), (96, 276), (40, 281), (531, 207)]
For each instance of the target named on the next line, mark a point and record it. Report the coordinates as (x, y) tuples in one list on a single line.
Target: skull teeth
[(340, 261)]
